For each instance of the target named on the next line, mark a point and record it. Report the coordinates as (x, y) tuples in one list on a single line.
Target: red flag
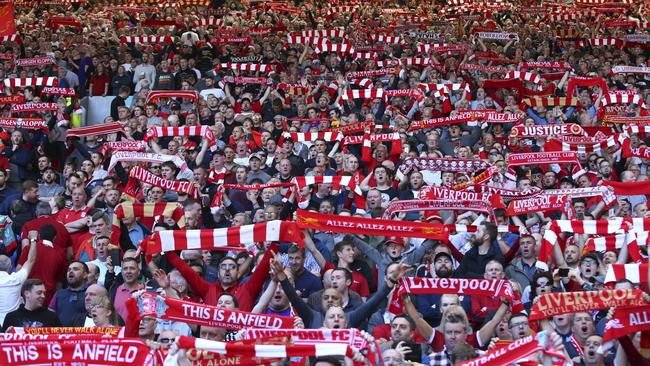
[(7, 21)]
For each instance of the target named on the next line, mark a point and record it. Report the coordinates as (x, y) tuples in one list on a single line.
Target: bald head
[(5, 264)]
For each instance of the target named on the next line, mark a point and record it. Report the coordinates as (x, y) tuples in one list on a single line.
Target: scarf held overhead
[(167, 308), (556, 303)]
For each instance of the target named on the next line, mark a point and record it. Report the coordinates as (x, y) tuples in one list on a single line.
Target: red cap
[(432, 215), (395, 240)]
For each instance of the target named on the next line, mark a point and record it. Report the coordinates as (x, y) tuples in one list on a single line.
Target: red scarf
[(557, 303), (626, 321), (628, 188), (438, 205), (359, 225), (125, 145), (35, 61), (34, 107), (82, 331), (104, 351), (69, 92), (540, 203), (26, 123), (462, 286), (12, 99), (441, 121), (544, 131), (141, 175), (442, 193), (578, 81), (248, 187), (95, 130), (167, 308), (516, 351)]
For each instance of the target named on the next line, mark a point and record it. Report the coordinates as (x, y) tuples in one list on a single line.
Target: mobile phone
[(564, 272), (115, 256)]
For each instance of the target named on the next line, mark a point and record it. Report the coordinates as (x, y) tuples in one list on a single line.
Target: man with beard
[(111, 199), (582, 328), (49, 188), (428, 305), (32, 313), (522, 269), (68, 302), (474, 261)]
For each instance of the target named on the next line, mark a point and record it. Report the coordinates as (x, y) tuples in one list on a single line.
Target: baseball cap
[(442, 254), (394, 240), (256, 155), (432, 215)]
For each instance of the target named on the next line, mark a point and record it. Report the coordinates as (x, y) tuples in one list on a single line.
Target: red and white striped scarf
[(210, 22), (311, 136), (634, 272), (483, 68), (145, 157), (95, 130), (591, 227), (353, 128), (425, 48), (352, 337), (154, 95), (601, 42), (34, 107), (625, 97), (336, 182), (11, 38), (244, 67), (334, 47), (147, 39), (266, 351), (144, 176), (35, 61), (232, 238), (363, 94), (615, 242), (557, 145), (36, 81), (203, 131), (26, 123), (506, 193), (321, 33), (551, 101), (385, 39), (364, 83), (365, 56), (295, 39), (530, 76)]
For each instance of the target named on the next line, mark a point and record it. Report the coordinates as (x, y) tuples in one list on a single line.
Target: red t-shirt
[(50, 267), (68, 215), (359, 283), (62, 238)]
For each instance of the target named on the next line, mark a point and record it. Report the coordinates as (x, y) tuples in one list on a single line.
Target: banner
[(351, 337), (438, 205), (358, 225), (556, 303), (35, 61), (34, 107), (167, 308), (12, 99)]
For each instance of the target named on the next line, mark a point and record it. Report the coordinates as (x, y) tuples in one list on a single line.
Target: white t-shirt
[(10, 285)]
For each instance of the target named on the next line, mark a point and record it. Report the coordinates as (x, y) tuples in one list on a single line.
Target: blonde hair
[(454, 314)]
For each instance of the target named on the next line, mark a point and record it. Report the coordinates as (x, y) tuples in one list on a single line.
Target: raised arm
[(199, 285)]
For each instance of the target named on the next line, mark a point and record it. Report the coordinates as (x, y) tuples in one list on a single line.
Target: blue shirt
[(137, 235)]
